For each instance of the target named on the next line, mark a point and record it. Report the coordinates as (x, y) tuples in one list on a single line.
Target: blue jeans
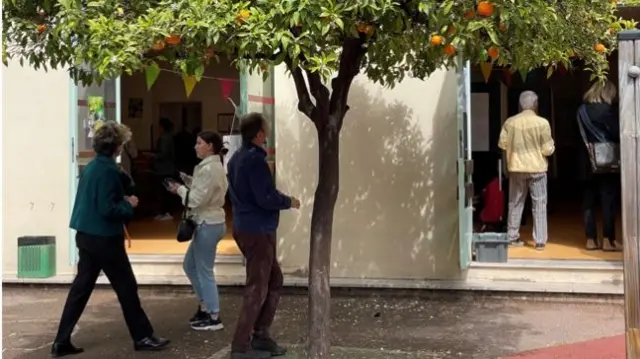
[(199, 261)]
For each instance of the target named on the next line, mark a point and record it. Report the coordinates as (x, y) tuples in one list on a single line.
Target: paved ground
[(369, 325)]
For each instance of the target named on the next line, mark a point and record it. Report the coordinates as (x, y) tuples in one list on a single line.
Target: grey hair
[(528, 100)]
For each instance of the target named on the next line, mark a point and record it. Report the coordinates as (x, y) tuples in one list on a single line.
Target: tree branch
[(319, 91), (351, 58), (304, 99)]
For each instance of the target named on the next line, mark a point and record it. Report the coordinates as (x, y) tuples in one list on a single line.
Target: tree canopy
[(389, 39)]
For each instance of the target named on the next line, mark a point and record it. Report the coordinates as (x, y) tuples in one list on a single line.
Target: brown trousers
[(262, 289)]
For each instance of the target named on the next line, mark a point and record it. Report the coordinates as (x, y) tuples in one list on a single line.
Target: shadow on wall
[(396, 214)]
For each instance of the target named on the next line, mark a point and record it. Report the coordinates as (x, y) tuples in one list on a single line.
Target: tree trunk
[(321, 235)]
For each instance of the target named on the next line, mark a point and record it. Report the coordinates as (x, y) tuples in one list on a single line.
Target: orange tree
[(328, 42)]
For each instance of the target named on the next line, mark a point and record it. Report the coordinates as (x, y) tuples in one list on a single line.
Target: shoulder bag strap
[(586, 121), (186, 205)]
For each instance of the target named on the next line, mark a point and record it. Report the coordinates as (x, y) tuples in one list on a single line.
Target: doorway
[(559, 98)]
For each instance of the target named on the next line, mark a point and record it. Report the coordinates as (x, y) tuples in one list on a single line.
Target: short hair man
[(256, 211), (527, 142)]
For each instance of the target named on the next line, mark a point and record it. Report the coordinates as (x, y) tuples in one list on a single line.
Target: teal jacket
[(100, 208)]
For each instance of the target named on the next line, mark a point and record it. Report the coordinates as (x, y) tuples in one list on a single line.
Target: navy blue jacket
[(100, 208), (256, 201)]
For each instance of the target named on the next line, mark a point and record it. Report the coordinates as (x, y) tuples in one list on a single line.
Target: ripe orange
[(173, 40), (369, 30), (485, 8), (469, 14), (600, 48), (41, 28), (242, 16), (158, 46), (450, 50), (361, 27), (436, 40), (493, 52)]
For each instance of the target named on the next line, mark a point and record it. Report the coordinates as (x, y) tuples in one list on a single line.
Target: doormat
[(605, 348)]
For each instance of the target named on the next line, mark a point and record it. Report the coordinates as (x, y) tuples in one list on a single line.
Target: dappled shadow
[(396, 214)]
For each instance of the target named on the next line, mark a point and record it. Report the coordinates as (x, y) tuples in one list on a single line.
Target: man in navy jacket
[(256, 212)]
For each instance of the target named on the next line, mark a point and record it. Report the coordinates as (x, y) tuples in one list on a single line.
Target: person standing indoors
[(206, 194), (601, 123), (527, 142), (256, 211), (98, 216)]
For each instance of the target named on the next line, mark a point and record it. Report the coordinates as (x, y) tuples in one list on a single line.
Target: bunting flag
[(151, 74), (486, 67), (523, 75), (189, 84), (506, 77), (226, 85)]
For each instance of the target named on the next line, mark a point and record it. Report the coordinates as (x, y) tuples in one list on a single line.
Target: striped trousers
[(520, 184)]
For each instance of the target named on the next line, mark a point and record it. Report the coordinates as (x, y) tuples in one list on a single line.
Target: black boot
[(58, 350), (150, 344), (266, 344)]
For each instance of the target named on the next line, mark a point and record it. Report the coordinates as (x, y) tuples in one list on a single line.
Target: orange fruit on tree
[(485, 8), (451, 30), (612, 31), (493, 52), (369, 30), (469, 14), (450, 50), (361, 27), (41, 28), (173, 40), (502, 27), (242, 16), (436, 40), (600, 48), (158, 45)]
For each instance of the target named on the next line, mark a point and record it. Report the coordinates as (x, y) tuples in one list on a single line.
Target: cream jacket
[(208, 188), (527, 142)]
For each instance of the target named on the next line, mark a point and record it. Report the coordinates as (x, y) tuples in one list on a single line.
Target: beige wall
[(396, 215), (37, 159), (169, 87)]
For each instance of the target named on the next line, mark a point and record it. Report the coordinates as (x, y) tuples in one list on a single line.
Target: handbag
[(604, 155), (187, 226)]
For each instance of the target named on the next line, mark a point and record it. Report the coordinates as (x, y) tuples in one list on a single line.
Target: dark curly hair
[(109, 137)]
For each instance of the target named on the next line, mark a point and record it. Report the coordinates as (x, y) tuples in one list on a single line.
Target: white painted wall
[(37, 160), (396, 215)]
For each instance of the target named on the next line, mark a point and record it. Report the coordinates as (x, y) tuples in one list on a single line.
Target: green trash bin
[(36, 257)]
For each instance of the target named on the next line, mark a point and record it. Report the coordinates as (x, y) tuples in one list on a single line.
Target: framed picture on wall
[(225, 120)]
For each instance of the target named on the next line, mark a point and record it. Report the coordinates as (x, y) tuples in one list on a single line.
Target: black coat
[(606, 119)]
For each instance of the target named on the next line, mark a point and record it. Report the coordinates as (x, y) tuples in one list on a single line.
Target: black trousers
[(607, 187), (107, 254)]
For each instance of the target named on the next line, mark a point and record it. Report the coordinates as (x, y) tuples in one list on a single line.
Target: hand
[(185, 178), (133, 200), (295, 203), (173, 187)]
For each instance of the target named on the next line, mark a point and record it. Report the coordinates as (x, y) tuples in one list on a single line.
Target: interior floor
[(159, 237)]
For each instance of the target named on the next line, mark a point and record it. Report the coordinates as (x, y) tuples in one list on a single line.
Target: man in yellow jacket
[(527, 142)]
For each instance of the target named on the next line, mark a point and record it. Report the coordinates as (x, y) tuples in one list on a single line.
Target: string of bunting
[(487, 68), (152, 72)]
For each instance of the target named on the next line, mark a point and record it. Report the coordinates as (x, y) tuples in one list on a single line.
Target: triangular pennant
[(486, 67), (189, 83), (226, 85), (506, 77), (523, 75), (151, 74)]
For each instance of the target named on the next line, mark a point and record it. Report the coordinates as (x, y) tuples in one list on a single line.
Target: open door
[(465, 164), (88, 105)]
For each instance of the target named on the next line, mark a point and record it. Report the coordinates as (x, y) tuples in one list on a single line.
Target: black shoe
[(200, 315), (267, 345), (251, 354), (150, 344), (58, 350), (540, 246), (208, 323)]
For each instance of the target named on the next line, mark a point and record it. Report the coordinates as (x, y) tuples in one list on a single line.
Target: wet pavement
[(366, 324)]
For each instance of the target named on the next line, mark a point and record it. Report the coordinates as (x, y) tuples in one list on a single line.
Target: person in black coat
[(99, 213), (603, 115)]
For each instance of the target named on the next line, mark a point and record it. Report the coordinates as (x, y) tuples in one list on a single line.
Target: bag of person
[(187, 226), (604, 155)]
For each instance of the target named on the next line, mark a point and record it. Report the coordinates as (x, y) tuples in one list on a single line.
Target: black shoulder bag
[(604, 155), (187, 226)]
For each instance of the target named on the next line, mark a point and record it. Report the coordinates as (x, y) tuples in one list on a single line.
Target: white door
[(465, 165), (88, 104)]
